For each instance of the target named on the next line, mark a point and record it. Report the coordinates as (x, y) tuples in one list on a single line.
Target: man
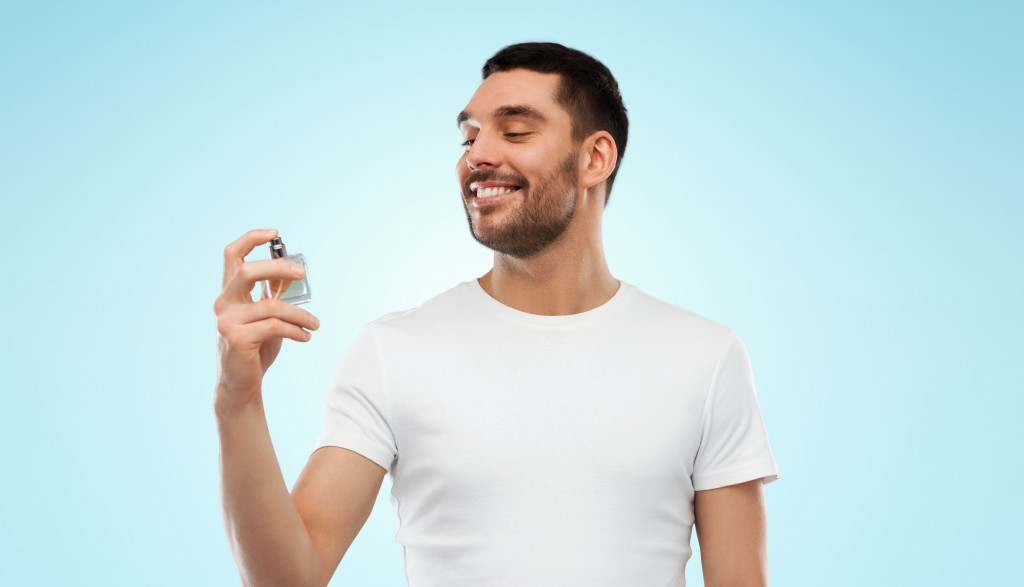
[(545, 424)]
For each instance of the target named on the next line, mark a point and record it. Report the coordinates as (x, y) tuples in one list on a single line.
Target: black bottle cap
[(277, 249)]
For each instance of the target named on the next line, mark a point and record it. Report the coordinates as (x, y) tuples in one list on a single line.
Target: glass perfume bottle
[(293, 292)]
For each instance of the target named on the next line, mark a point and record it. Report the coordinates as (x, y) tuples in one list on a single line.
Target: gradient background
[(840, 184)]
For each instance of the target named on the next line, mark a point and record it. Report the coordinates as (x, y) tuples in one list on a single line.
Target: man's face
[(518, 141)]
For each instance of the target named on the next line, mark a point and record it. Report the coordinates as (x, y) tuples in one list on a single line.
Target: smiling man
[(545, 424)]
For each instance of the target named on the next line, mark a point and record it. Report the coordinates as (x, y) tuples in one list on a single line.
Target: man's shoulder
[(440, 306), (665, 315)]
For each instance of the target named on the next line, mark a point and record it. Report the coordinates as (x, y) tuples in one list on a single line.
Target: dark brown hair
[(588, 91)]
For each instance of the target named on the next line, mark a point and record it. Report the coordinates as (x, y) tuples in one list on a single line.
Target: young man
[(545, 424)]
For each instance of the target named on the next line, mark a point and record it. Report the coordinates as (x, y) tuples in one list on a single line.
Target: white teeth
[(488, 192)]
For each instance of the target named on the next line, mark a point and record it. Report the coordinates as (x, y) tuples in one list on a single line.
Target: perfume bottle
[(293, 292)]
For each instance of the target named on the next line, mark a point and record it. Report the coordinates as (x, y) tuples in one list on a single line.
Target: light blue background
[(838, 182)]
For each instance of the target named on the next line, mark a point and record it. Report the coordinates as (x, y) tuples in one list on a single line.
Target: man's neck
[(552, 290)]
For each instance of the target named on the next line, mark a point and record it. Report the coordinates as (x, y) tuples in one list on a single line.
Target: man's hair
[(587, 91)]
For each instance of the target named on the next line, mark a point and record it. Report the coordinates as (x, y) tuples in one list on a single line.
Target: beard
[(542, 214)]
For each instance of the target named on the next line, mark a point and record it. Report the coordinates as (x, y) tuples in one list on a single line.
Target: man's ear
[(599, 157)]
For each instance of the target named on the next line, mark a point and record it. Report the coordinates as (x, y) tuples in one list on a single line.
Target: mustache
[(493, 175)]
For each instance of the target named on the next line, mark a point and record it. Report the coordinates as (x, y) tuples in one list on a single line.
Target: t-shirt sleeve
[(357, 411), (734, 444)]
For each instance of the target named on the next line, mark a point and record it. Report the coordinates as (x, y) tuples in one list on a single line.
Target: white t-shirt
[(529, 450)]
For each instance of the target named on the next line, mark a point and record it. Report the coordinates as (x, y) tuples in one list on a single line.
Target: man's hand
[(249, 333)]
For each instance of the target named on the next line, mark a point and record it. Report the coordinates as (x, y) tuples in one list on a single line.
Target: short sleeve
[(357, 412), (734, 444)]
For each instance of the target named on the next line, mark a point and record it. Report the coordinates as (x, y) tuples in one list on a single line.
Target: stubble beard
[(533, 224)]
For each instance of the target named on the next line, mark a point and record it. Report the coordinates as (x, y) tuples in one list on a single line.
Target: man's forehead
[(518, 92)]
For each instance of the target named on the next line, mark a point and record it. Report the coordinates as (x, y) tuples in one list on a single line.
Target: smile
[(487, 189), (495, 191), (493, 195)]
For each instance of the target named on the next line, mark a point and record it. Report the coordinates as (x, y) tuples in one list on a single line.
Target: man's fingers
[(254, 334), (234, 253), (276, 328), (247, 274), (272, 308)]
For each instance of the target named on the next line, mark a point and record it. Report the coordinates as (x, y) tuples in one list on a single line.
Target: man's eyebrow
[(510, 110)]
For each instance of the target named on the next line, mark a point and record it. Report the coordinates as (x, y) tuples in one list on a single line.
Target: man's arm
[(266, 533), (731, 526)]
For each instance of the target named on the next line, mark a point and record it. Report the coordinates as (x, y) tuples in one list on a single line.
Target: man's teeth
[(488, 192)]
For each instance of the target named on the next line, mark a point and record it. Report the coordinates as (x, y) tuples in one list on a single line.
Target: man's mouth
[(491, 189), (488, 192)]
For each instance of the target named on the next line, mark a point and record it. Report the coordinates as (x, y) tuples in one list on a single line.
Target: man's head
[(526, 133), (587, 90)]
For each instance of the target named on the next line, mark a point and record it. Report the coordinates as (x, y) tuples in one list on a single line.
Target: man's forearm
[(266, 534)]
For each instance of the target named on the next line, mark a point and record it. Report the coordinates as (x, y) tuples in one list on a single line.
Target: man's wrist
[(227, 404)]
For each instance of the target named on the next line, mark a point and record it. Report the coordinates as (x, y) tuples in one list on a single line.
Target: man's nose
[(483, 153)]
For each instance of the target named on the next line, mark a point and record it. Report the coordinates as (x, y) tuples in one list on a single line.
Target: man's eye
[(512, 135)]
